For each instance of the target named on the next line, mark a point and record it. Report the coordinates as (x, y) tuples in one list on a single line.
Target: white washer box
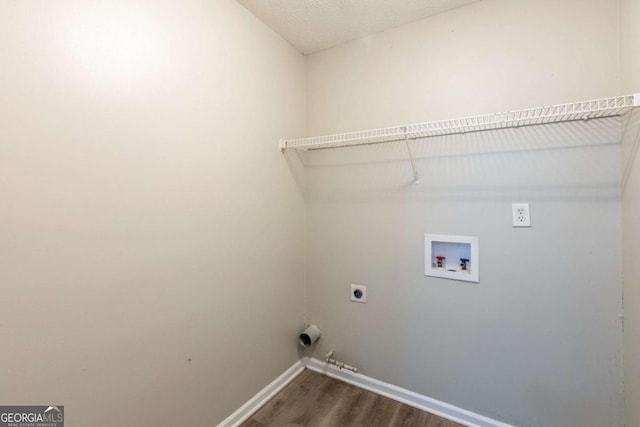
[(453, 248)]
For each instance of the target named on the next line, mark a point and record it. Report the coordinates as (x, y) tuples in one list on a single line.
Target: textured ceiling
[(313, 25)]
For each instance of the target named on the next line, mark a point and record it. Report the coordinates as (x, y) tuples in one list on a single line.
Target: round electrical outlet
[(358, 293)]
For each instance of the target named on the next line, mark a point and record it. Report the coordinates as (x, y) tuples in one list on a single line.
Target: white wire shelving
[(584, 110)]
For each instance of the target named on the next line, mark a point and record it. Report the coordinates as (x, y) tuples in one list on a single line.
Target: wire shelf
[(585, 110)]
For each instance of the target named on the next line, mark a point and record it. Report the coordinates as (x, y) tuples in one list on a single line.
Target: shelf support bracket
[(416, 178)]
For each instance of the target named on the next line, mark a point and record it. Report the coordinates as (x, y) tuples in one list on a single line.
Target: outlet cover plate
[(521, 215), (363, 290)]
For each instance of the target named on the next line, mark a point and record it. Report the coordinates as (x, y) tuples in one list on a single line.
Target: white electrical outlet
[(359, 293), (521, 215)]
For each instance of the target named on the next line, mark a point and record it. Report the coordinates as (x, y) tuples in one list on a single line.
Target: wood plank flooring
[(315, 400)]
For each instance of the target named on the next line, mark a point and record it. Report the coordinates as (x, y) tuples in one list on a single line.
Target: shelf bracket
[(416, 178)]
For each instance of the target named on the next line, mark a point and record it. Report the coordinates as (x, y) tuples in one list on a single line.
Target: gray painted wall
[(538, 341), (631, 276), (152, 239), (630, 79)]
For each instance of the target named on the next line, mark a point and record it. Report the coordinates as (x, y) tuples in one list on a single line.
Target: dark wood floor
[(314, 400)]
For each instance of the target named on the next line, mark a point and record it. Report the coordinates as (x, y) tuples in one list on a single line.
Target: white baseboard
[(256, 402), (402, 395)]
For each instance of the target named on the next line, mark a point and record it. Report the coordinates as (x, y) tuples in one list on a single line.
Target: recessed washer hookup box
[(452, 257)]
